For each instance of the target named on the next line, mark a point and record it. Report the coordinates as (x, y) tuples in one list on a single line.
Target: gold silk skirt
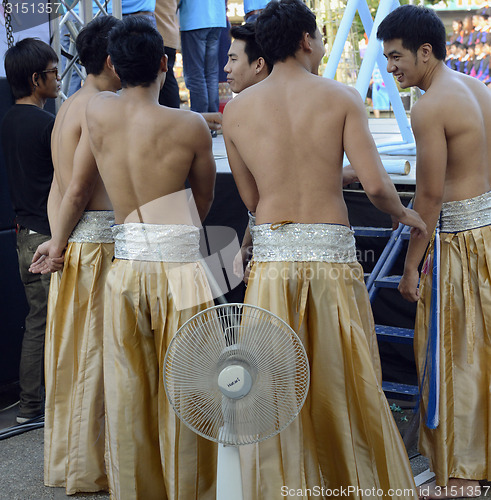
[(74, 445), (152, 454), (345, 441), (460, 446)]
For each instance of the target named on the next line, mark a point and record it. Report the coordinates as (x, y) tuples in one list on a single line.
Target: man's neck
[(148, 94), (293, 64), (33, 100), (100, 83), (433, 71)]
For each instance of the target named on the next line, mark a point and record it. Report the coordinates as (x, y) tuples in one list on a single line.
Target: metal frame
[(74, 23), (373, 54)]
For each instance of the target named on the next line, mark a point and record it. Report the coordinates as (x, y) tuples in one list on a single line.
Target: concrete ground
[(21, 467), (21, 456)]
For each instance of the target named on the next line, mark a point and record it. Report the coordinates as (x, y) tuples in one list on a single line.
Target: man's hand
[(408, 285), (349, 175), (411, 218), (47, 259), (241, 263), (213, 120)]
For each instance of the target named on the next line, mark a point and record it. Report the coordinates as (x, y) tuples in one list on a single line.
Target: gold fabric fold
[(460, 446), (152, 455), (345, 435), (74, 417)]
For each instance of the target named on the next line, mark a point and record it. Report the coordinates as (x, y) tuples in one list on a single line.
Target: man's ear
[(110, 64), (306, 42), (260, 65), (163, 63), (425, 50), (34, 79)]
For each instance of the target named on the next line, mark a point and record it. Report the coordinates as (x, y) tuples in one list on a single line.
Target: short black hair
[(281, 26), (25, 58), (92, 43), (136, 49), (247, 33), (414, 25)]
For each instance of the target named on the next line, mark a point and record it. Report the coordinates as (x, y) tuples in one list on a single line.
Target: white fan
[(236, 374)]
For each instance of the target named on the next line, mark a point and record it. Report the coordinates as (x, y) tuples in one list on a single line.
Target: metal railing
[(65, 29)]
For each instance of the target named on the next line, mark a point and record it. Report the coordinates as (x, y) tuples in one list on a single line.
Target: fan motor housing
[(235, 381)]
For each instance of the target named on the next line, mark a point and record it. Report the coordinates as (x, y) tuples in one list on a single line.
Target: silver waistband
[(252, 220), (156, 243), (304, 242), (467, 214), (94, 227)]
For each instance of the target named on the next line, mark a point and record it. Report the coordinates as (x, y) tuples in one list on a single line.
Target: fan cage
[(236, 334)]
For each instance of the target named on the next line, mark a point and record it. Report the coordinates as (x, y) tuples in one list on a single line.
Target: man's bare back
[(456, 110), (70, 120), (289, 165), (145, 152)]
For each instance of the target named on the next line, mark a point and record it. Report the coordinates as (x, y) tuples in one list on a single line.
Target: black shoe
[(22, 419)]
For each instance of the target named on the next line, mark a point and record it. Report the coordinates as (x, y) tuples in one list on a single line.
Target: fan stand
[(232, 361), (235, 382), (229, 476)]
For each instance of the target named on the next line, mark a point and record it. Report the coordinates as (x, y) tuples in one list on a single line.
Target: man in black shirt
[(31, 71)]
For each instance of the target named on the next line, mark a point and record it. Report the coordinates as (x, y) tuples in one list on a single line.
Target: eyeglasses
[(52, 70)]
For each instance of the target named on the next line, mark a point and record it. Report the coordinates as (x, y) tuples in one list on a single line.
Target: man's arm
[(75, 199), (213, 120), (431, 163), (365, 160), (244, 180), (54, 202), (202, 173)]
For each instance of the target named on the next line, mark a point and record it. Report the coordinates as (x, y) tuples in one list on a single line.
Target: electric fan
[(235, 374)]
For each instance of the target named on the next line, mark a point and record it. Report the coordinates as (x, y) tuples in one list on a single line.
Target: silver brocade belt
[(156, 242), (294, 242), (467, 214), (94, 227)]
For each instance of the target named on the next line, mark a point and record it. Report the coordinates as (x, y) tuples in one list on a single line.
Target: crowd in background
[(469, 45)]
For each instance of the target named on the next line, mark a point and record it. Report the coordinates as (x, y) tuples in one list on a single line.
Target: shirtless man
[(305, 267), (452, 128), (247, 66), (74, 422), (144, 153)]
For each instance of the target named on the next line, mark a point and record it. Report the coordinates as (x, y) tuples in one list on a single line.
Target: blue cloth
[(132, 6), (197, 14), (433, 351), (200, 63), (250, 5), (380, 96)]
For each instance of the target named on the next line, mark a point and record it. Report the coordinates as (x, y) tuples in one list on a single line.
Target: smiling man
[(246, 64), (285, 139), (452, 128)]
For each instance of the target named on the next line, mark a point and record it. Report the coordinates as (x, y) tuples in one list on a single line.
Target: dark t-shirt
[(26, 141)]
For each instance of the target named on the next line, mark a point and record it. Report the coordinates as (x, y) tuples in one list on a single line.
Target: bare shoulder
[(344, 96), (97, 103), (186, 126), (231, 109), (193, 122), (425, 111)]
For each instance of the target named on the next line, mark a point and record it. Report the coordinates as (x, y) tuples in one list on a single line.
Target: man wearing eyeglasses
[(31, 71)]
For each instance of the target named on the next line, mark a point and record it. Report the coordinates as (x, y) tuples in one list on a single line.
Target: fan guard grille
[(253, 338)]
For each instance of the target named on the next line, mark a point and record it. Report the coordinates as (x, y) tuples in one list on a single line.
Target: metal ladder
[(380, 278)]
